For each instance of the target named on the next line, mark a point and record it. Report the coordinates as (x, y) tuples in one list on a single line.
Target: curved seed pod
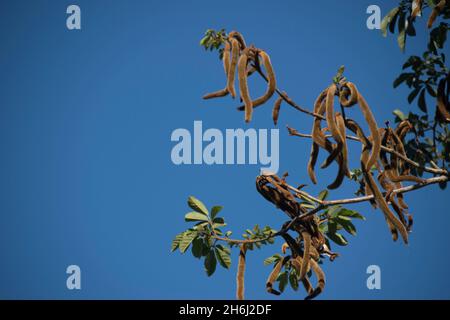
[(436, 11), (314, 253), (416, 8), (243, 86), (340, 176), (312, 162), (386, 185), (217, 94), (241, 273), (370, 119), (296, 264), (232, 67), (271, 84), (403, 128), (383, 205), (239, 37), (306, 255), (318, 135), (276, 110), (320, 280), (274, 275), (330, 116), (378, 196), (284, 247), (442, 104), (307, 285), (342, 132), (349, 89), (226, 57)]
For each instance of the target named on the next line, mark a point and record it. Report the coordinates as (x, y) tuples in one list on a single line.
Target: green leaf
[(323, 195), (337, 238), (347, 225), (401, 38), (283, 278), (197, 205), (176, 241), (219, 220), (352, 214), (187, 239), (422, 102), (195, 216), (387, 19), (402, 78), (272, 259), (197, 247), (293, 280), (210, 263), (413, 95), (223, 256), (399, 114), (215, 210), (333, 211)]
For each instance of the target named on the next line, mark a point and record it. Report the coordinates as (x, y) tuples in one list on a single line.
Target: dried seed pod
[(276, 110), (330, 116), (343, 133), (241, 273), (274, 275), (271, 84), (306, 256), (284, 247), (243, 85), (347, 90), (416, 8), (226, 57), (232, 67), (312, 162), (370, 119), (217, 94), (391, 220), (435, 12), (320, 280), (239, 37)]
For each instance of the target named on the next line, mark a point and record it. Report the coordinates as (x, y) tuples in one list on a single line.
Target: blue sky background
[(85, 125)]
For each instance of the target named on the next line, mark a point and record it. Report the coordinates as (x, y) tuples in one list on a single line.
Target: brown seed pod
[(312, 162), (348, 89), (416, 8), (226, 57), (241, 273), (284, 247), (343, 133), (320, 280), (391, 220), (340, 176), (271, 84), (239, 37), (274, 275), (370, 119), (276, 110), (217, 94), (232, 66), (306, 256), (435, 12), (243, 86), (330, 116)]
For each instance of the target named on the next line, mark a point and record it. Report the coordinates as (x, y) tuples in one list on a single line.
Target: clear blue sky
[(85, 124)]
